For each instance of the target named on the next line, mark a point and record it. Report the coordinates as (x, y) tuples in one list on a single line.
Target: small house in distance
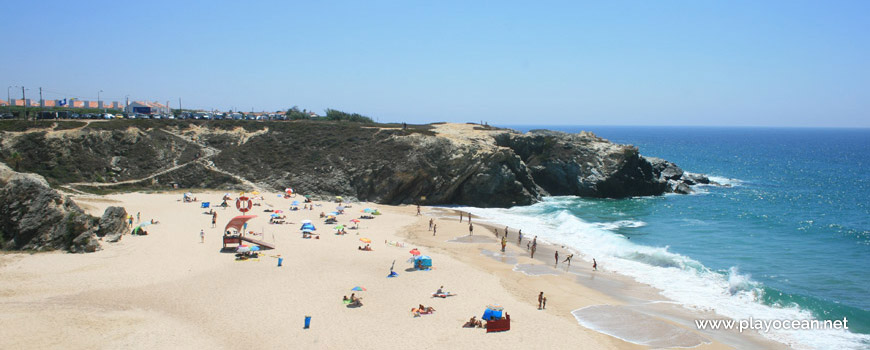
[(141, 107)]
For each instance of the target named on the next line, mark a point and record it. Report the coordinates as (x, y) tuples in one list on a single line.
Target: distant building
[(3, 103), (142, 107)]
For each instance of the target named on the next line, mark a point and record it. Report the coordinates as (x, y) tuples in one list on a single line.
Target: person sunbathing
[(356, 302), (471, 322)]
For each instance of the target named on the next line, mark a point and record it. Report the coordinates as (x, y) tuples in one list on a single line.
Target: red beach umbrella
[(415, 252)]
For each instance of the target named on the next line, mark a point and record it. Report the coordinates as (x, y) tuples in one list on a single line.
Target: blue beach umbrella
[(295, 203)]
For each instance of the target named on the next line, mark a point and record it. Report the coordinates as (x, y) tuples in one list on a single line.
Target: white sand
[(168, 290)]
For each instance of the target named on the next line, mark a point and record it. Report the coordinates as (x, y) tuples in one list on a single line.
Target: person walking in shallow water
[(541, 301), (503, 243), (460, 216), (470, 229), (557, 258), (520, 237), (594, 265)]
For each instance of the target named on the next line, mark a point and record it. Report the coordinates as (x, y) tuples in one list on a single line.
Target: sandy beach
[(169, 290)]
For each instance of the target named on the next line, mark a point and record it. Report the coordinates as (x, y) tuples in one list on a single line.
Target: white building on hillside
[(147, 108)]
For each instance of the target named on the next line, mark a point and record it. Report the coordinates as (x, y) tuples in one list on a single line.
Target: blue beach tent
[(422, 262), (492, 312)]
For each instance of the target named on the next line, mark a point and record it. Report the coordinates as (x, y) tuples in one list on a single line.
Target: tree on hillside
[(332, 114), (295, 114)]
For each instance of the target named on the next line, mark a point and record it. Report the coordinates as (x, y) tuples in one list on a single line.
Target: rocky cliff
[(433, 164), (33, 216)]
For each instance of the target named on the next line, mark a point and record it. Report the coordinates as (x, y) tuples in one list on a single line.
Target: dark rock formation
[(112, 224), (432, 164), (33, 216)]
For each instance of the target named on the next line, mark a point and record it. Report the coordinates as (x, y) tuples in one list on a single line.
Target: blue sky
[(753, 63)]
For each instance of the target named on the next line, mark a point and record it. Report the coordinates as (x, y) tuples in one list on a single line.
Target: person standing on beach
[(534, 246), (434, 229), (213, 220), (431, 221), (541, 301), (418, 210), (470, 229), (460, 216), (503, 243), (201, 236), (137, 217), (594, 265), (469, 218), (544, 303), (557, 258), (505, 232), (520, 237)]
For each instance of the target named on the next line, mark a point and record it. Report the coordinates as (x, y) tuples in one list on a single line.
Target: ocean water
[(789, 239)]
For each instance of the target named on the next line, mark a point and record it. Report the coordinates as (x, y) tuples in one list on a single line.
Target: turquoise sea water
[(789, 239)]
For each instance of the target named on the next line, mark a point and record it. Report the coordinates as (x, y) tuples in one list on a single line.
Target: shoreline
[(191, 295), (582, 288)]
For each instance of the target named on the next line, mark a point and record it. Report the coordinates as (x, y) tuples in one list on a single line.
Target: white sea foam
[(679, 278), (725, 180), (611, 226)]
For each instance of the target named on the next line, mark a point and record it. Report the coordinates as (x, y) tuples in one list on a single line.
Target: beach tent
[(492, 312), (206, 204), (308, 226), (422, 262), (238, 222)]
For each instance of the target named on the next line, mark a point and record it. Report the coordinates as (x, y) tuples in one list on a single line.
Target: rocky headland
[(463, 164), (33, 216)]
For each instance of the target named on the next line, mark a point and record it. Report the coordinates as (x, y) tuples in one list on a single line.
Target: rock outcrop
[(33, 216), (463, 164)]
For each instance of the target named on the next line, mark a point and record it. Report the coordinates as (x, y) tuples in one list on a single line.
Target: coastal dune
[(168, 290)]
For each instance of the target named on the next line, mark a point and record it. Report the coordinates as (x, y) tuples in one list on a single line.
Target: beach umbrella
[(275, 215), (306, 230), (339, 227), (307, 196), (356, 221), (306, 221), (338, 197), (295, 203), (255, 193), (279, 211), (288, 191), (243, 249), (367, 210), (255, 248), (358, 289), (333, 213), (365, 240), (339, 208), (415, 252)]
